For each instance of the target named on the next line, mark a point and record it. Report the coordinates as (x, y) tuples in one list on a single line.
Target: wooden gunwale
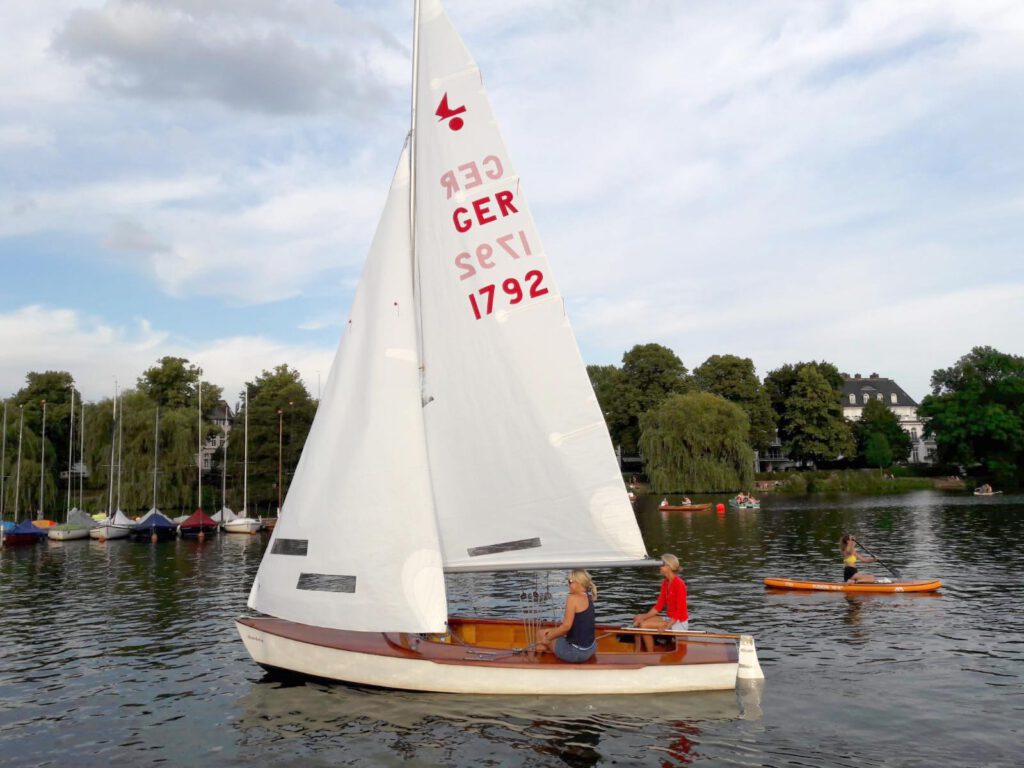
[(613, 651), (685, 507)]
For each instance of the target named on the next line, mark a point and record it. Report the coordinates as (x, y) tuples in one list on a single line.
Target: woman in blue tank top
[(573, 640)]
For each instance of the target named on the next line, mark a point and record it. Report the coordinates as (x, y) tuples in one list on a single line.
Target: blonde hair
[(582, 578), (672, 562)]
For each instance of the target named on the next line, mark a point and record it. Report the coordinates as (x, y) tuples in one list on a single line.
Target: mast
[(113, 436), (71, 455), (156, 452), (42, 465), (200, 455), (412, 192), (245, 460), (81, 458), (224, 481), (120, 443), (17, 477), (3, 460)]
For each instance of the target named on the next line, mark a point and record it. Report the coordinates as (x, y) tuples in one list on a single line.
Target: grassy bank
[(846, 481)]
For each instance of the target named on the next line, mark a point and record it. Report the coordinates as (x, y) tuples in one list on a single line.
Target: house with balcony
[(859, 390)]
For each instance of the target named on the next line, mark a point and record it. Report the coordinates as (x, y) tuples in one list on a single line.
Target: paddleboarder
[(848, 547)]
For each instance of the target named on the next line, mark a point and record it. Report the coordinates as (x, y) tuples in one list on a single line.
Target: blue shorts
[(566, 651)]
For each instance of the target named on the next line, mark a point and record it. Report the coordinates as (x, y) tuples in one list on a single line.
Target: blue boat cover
[(154, 521), (26, 526)]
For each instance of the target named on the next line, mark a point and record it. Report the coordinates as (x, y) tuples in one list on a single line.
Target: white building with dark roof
[(858, 390)]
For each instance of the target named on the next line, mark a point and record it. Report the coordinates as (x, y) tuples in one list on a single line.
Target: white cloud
[(96, 352), (309, 57), (760, 179)]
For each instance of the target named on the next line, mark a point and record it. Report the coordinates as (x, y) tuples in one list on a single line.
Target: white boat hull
[(447, 676), (56, 534), (104, 532), (242, 525)]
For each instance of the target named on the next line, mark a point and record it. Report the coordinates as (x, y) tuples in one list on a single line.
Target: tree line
[(121, 454), (698, 431)]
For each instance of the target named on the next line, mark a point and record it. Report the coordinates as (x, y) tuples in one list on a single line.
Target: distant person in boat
[(685, 501), (573, 640), (985, 488), (671, 599), (848, 546), (664, 503)]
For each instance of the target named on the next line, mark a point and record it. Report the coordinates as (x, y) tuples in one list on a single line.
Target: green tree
[(780, 382), (877, 419), (734, 379), (25, 489), (976, 413), (616, 399), (172, 384), (812, 427), (877, 452), (56, 389), (273, 391), (697, 442), (650, 373)]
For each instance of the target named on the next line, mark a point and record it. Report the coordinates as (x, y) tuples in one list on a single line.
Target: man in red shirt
[(671, 599)]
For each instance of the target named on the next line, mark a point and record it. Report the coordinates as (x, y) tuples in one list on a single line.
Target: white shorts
[(681, 626)]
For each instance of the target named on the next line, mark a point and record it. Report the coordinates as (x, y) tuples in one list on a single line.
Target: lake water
[(126, 654)]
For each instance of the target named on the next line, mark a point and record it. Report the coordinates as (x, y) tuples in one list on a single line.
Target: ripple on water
[(118, 653)]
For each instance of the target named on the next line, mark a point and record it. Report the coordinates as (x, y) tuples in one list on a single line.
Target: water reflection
[(119, 653), (448, 729)]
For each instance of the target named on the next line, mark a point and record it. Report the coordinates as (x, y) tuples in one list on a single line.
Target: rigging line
[(415, 263)]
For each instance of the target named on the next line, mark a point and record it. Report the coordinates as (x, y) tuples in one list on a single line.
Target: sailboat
[(229, 521), (198, 524), (458, 432), (154, 525), (25, 532), (77, 523), (117, 524)]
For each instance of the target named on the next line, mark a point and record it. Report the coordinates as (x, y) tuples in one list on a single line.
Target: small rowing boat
[(684, 507), (744, 504), (862, 586)]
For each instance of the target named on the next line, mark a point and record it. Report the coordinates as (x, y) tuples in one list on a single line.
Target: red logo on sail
[(445, 112)]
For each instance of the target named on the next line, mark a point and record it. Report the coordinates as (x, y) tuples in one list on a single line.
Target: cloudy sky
[(779, 180)]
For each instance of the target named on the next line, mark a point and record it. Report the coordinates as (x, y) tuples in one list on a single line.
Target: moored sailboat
[(229, 521), (458, 343), (199, 524), (154, 526), (117, 525), (77, 523)]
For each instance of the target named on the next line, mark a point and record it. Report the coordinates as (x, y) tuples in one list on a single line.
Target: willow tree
[(697, 443), (735, 379)]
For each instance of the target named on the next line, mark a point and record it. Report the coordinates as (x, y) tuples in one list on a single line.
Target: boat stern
[(749, 667)]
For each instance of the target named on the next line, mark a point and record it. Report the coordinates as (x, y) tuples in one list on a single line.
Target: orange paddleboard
[(864, 586)]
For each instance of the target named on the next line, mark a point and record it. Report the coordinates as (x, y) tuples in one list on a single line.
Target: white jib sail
[(521, 464), (356, 545)]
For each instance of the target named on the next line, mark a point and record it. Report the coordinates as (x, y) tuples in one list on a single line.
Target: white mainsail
[(521, 464), (356, 544), (458, 429)]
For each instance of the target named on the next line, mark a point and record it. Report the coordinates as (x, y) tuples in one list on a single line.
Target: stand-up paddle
[(891, 570)]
